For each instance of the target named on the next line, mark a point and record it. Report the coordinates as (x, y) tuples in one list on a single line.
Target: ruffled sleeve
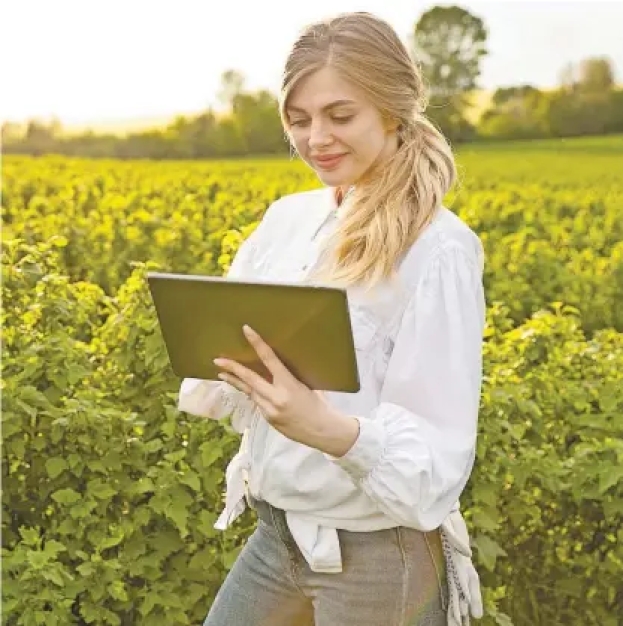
[(415, 452), (216, 399)]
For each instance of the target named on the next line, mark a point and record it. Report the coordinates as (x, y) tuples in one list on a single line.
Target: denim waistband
[(274, 517)]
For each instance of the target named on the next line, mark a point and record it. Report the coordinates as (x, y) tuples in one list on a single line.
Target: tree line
[(449, 43)]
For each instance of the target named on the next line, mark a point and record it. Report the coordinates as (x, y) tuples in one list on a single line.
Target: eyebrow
[(331, 105)]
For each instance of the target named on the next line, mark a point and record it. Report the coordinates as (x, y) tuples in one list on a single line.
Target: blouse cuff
[(198, 397), (366, 452)]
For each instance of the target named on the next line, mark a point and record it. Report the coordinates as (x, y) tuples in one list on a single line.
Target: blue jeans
[(393, 577)]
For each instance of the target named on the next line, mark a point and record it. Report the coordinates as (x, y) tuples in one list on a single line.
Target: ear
[(391, 125)]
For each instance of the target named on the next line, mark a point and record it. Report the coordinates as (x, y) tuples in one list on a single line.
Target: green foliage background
[(110, 494)]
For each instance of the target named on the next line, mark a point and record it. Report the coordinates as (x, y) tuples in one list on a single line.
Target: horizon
[(84, 82)]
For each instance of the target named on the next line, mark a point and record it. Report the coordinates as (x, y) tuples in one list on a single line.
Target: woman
[(356, 494)]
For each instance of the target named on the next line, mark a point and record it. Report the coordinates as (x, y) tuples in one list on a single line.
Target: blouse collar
[(339, 195)]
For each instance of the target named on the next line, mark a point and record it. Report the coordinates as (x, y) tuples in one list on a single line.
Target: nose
[(319, 134)]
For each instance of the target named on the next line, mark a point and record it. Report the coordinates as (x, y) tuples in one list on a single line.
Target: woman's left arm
[(414, 455)]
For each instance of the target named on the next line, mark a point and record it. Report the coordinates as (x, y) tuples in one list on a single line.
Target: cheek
[(371, 142), (299, 141), (362, 137)]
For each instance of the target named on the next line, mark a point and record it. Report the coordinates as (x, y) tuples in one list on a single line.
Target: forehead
[(323, 89)]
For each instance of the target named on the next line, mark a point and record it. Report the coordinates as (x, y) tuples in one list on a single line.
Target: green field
[(110, 493), (549, 214)]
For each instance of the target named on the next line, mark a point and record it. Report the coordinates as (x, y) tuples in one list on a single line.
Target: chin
[(339, 176), (335, 178)]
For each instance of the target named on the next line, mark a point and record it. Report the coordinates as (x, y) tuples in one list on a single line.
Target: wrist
[(339, 434)]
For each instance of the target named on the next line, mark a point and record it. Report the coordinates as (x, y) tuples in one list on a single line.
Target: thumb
[(322, 396)]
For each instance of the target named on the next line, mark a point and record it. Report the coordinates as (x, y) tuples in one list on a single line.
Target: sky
[(102, 60)]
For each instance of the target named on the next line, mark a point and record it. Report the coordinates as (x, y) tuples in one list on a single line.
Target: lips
[(328, 160)]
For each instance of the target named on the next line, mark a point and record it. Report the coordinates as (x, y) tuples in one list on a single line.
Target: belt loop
[(276, 523), (443, 592)]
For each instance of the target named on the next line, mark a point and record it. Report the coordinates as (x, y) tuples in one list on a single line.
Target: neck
[(339, 193)]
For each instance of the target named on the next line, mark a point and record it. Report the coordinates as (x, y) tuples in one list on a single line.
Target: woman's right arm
[(216, 400)]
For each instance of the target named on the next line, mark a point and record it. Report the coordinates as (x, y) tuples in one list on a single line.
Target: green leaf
[(179, 514), (486, 493), (229, 558), (142, 485), (150, 600), (55, 466), (30, 536), (486, 519), (210, 453), (191, 479), (204, 559), (176, 456), (29, 410), (33, 396), (175, 506), (168, 428), (82, 509), (99, 489), (59, 241), (501, 619), (55, 576), (38, 560), (153, 446), (142, 516), (206, 523), (117, 591), (609, 477), (86, 569), (111, 541), (96, 465), (488, 551), (67, 527), (53, 548), (76, 373), (66, 496)]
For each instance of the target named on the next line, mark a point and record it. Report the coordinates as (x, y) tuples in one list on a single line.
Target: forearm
[(336, 433)]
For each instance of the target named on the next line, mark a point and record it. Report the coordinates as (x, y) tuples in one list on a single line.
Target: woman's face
[(335, 129)]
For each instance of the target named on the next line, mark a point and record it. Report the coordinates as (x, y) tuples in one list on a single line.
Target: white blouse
[(419, 353)]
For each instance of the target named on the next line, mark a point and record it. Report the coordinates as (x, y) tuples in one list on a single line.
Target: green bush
[(548, 213), (546, 497), (110, 493)]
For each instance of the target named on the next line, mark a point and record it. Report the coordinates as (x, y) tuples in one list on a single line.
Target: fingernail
[(219, 361), (248, 329)]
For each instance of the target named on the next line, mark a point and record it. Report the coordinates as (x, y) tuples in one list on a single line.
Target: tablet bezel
[(321, 312)]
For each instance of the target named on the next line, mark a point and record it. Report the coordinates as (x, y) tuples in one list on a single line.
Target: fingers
[(249, 378), (274, 397), (265, 352), (252, 394), (236, 382)]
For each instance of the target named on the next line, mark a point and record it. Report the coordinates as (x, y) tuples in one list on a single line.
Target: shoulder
[(447, 235), (448, 230), (295, 203), (448, 247), (289, 213)]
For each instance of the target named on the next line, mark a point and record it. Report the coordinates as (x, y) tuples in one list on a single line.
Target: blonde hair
[(387, 212)]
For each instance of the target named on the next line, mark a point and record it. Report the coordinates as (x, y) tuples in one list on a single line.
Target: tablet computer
[(307, 326)]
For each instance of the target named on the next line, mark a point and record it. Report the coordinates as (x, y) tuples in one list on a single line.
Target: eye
[(300, 122), (342, 119)]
